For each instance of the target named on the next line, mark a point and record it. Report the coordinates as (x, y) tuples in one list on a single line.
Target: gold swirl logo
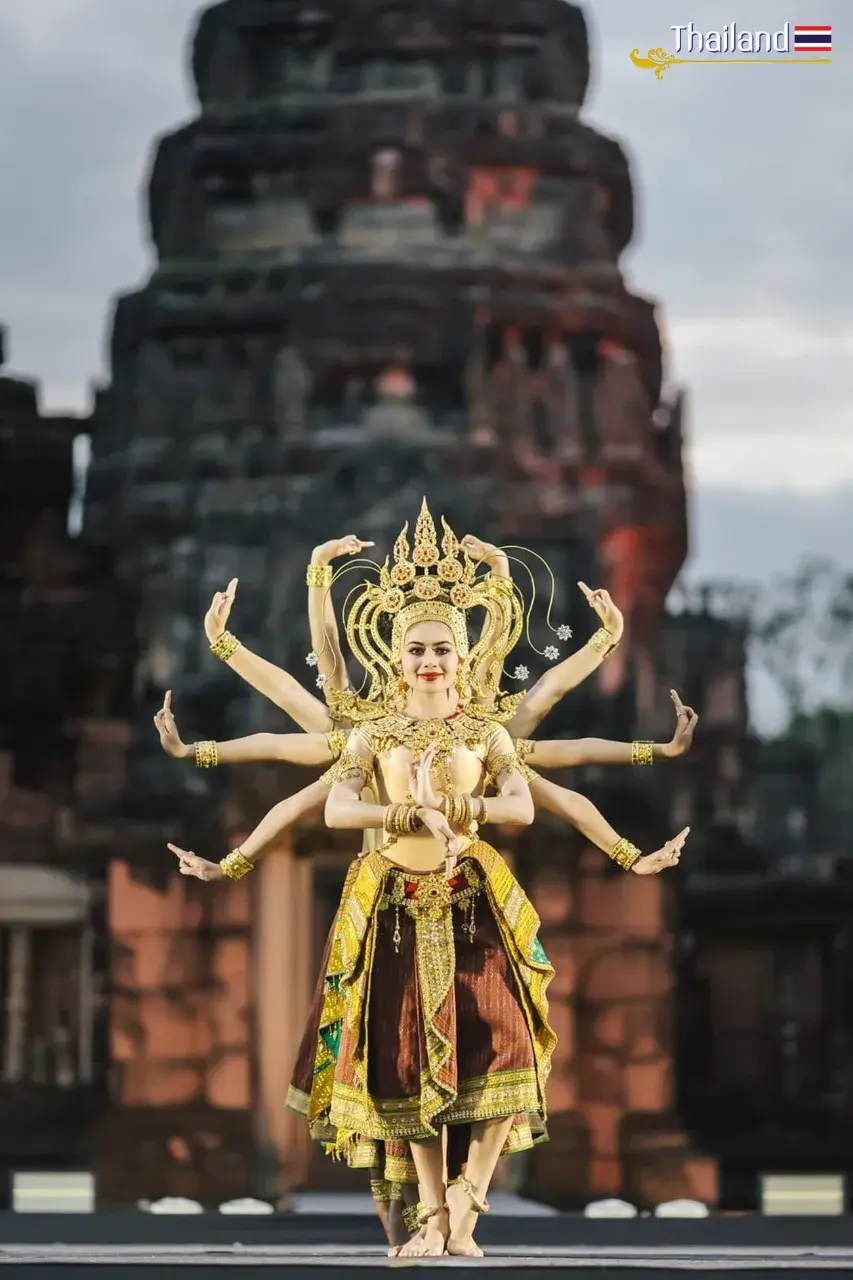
[(657, 60)]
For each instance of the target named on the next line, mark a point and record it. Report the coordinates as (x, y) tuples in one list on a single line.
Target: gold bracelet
[(318, 575), (484, 813), (602, 642), (206, 755), (401, 819), (236, 865), (454, 809), (411, 821), (225, 647), (642, 753), (468, 811), (624, 854), (389, 819)]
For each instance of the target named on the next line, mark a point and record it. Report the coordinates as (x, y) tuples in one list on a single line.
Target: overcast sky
[(744, 209)]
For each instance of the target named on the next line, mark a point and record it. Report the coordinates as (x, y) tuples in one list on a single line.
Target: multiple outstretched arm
[(273, 682), (322, 620), (551, 687), (582, 814), (313, 716), (567, 753), (289, 748), (321, 743), (305, 803)]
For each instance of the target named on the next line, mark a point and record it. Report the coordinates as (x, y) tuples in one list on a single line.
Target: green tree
[(802, 635)]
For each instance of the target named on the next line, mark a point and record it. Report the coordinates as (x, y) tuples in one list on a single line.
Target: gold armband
[(318, 575), (206, 755), (642, 753), (624, 854), (401, 820), (508, 764), (337, 740), (225, 647), (602, 642), (236, 865), (348, 765)]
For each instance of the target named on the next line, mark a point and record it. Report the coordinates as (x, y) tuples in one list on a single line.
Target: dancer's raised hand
[(216, 618), (661, 859), (611, 617), (686, 721), (170, 739), (420, 780), (190, 864), (349, 545), (477, 550)]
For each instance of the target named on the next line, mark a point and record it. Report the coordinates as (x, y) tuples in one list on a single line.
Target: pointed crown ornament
[(434, 584)]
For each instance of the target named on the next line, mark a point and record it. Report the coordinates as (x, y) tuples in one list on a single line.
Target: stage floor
[(323, 1263), (133, 1245)]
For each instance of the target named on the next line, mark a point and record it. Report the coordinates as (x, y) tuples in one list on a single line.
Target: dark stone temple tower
[(387, 265)]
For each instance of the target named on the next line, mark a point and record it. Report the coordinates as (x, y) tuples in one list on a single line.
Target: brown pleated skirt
[(390, 1162), (443, 1034)]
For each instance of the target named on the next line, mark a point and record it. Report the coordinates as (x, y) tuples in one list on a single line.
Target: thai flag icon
[(812, 39)]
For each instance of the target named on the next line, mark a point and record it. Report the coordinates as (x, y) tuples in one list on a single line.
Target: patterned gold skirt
[(431, 1012)]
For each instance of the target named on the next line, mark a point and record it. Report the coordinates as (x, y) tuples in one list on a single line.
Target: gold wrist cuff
[(401, 820), (318, 575), (624, 854), (602, 642), (206, 755), (225, 647), (642, 753), (484, 813), (236, 865), (459, 810)]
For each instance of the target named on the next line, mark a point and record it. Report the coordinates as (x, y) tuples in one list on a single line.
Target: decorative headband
[(436, 585)]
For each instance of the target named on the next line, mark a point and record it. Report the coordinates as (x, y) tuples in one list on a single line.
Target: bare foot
[(463, 1248), (463, 1223), (430, 1241)]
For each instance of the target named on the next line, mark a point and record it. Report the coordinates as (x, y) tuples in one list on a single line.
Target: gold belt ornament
[(433, 896)]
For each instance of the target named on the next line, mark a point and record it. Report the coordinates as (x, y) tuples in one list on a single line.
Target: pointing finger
[(585, 589)]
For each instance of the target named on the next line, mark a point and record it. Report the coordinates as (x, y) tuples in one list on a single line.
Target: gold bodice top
[(471, 750)]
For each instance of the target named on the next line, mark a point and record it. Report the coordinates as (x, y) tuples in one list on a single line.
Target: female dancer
[(429, 641)]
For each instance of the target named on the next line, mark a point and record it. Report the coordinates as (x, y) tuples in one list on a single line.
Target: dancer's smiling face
[(430, 659)]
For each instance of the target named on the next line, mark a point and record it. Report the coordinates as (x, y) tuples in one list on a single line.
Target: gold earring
[(403, 687), (463, 687)]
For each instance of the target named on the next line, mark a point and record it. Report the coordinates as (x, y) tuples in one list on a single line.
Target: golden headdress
[(435, 584)]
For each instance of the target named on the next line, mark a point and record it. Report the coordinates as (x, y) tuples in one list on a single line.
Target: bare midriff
[(422, 852), (418, 853)]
